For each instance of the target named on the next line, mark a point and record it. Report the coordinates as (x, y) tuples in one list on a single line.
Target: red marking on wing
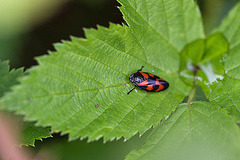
[(144, 83), (145, 75), (96, 106), (149, 87), (151, 75), (160, 87), (159, 79)]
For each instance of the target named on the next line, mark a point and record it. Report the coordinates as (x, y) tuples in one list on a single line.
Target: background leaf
[(201, 131), (216, 45), (192, 52), (24, 14), (61, 149), (8, 79), (225, 92), (165, 25), (30, 133), (64, 90), (205, 50)]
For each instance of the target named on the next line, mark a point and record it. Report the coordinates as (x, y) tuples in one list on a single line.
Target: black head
[(136, 78)]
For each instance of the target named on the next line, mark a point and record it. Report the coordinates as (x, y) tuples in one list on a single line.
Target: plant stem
[(193, 90)]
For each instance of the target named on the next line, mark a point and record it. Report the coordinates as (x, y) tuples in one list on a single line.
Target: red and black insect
[(148, 82)]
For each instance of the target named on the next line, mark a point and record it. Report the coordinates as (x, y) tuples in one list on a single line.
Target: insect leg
[(131, 90)]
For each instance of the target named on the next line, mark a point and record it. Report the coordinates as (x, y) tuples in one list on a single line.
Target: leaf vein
[(170, 128), (74, 72), (128, 114), (161, 36), (99, 114), (165, 13), (132, 56)]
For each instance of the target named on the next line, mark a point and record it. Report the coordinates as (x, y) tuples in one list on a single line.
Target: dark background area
[(73, 16), (70, 20)]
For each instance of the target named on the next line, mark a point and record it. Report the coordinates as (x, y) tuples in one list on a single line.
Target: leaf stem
[(193, 90)]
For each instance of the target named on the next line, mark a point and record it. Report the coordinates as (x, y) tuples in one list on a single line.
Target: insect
[(148, 82)]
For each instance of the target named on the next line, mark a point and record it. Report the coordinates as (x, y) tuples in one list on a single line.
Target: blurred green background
[(29, 29)]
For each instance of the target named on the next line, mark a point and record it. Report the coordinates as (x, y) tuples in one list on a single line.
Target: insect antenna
[(141, 68)]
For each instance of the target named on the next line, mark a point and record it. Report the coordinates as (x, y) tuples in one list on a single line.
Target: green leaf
[(163, 28), (216, 45), (201, 51), (193, 53), (201, 131), (64, 90), (8, 79), (230, 26), (30, 133), (97, 150), (225, 92)]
